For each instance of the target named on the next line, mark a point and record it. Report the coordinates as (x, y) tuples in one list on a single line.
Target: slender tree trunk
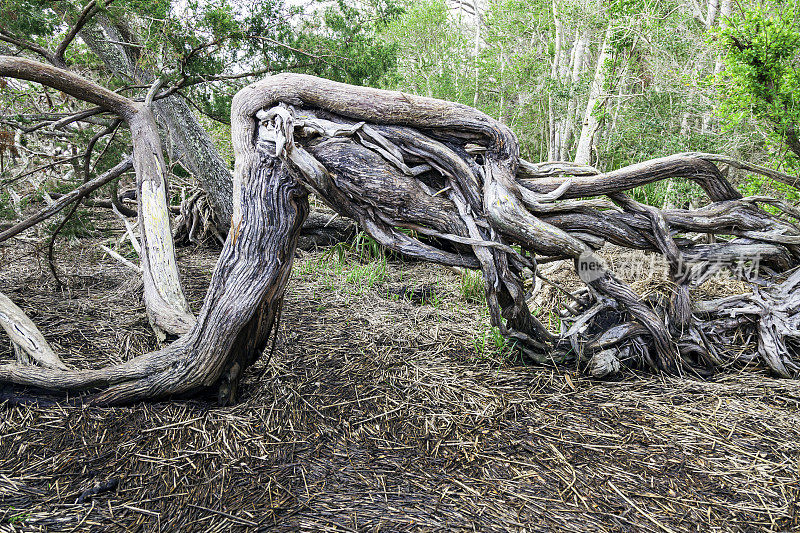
[(579, 50), (476, 48), (711, 13), (554, 146), (618, 103), (591, 125), (165, 302)]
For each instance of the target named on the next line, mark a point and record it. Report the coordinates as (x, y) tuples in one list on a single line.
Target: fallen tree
[(443, 182)]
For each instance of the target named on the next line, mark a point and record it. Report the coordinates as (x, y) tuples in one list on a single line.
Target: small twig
[(128, 231), (242, 521), (51, 245), (276, 325), (87, 158), (121, 259)]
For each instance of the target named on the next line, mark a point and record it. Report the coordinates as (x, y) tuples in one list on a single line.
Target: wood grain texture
[(439, 181)]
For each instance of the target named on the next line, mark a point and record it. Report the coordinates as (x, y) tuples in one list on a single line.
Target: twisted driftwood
[(452, 176)]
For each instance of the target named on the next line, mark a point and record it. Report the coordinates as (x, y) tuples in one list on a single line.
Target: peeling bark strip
[(396, 162)]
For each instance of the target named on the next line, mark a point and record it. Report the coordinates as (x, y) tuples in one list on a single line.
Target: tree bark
[(591, 125), (397, 162), (29, 344)]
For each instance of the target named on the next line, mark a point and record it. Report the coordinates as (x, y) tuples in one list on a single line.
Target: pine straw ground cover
[(387, 406)]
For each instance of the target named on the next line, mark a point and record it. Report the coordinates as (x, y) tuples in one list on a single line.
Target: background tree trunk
[(591, 125), (193, 145)]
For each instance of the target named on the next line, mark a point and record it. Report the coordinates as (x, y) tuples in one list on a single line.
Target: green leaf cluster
[(761, 80)]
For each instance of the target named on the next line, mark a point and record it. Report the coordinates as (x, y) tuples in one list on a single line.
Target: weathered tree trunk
[(238, 312), (166, 304), (396, 162)]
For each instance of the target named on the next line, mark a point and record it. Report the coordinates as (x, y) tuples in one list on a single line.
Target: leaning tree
[(440, 182)]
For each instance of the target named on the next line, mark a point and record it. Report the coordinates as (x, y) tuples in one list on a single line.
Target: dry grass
[(376, 413)]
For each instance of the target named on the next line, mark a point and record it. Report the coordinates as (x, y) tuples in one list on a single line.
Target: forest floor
[(388, 405)]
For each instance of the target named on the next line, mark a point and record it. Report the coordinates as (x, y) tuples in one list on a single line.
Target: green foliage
[(678, 192), (190, 41), (33, 18), (79, 225), (432, 58), (762, 73), (343, 43), (756, 184), (338, 272), (6, 209), (367, 248), (514, 71), (472, 286), (490, 344), (18, 518)]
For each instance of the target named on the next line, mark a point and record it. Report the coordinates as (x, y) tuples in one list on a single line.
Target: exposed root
[(197, 222)]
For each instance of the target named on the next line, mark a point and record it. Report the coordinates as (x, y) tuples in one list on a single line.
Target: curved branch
[(690, 166), (67, 82), (788, 179), (27, 45)]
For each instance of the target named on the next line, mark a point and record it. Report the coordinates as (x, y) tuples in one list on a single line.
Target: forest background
[(606, 83)]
